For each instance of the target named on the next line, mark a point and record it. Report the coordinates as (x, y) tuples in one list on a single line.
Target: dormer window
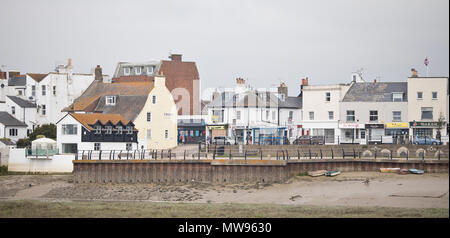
[(98, 129), (150, 70), (129, 130), (126, 71), (138, 71), (119, 130), (111, 100), (108, 129), (397, 97)]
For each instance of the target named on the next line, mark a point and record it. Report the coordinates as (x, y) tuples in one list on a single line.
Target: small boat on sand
[(317, 173), (403, 171), (332, 173), (389, 170), (416, 171)]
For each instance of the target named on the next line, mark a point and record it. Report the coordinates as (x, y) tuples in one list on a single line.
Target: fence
[(286, 152), (41, 152)]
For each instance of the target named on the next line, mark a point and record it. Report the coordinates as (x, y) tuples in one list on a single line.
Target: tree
[(47, 130)]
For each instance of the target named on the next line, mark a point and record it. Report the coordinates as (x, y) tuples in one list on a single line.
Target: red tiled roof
[(87, 119), (37, 77), (133, 78)]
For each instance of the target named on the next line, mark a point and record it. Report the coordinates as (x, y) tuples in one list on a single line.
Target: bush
[(4, 170), (46, 130)]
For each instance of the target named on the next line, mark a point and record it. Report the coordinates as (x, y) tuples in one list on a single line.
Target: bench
[(311, 154), (351, 153)]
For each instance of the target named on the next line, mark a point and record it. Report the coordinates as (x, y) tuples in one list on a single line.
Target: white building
[(428, 108), (12, 128), (95, 131), (371, 111), (254, 116), (22, 110), (321, 110)]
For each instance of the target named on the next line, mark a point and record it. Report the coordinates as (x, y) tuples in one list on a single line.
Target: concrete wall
[(18, 162), (226, 171), (4, 156)]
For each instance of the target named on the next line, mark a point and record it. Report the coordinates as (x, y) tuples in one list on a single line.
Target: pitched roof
[(91, 96), (129, 106), (133, 78), (87, 119), (8, 120), (21, 102), (179, 69), (17, 80), (375, 92), (291, 102), (248, 99), (37, 77), (7, 142)]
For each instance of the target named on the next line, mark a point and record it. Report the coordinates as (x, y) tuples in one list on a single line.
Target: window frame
[(399, 116), (149, 116), (432, 95), (311, 115), (110, 100), (421, 95), (328, 97), (422, 110), (136, 70), (44, 90), (97, 146), (373, 116), (126, 71), (330, 115), (347, 115)]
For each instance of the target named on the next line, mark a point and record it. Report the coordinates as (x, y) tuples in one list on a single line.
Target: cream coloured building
[(147, 104), (428, 102)]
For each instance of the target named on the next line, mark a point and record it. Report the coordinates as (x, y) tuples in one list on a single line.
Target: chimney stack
[(374, 81), (69, 62), (98, 73), (414, 73), (175, 57), (283, 89)]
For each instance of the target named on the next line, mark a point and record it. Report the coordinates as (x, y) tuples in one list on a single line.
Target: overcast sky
[(263, 41)]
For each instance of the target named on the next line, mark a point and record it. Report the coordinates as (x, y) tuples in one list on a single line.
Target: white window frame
[(349, 115), (311, 115), (149, 69), (110, 100), (397, 118), (129, 130), (328, 97), (13, 132), (129, 146), (166, 134), (33, 90), (13, 110), (149, 116), (126, 71), (397, 96), (97, 146), (119, 130), (238, 114), (136, 70), (149, 134), (69, 129), (108, 130), (44, 110), (54, 90), (154, 99), (421, 96), (98, 129), (425, 109), (432, 95), (330, 115), (375, 115), (44, 90)]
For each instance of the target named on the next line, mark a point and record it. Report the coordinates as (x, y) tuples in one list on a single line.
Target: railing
[(41, 152), (275, 152)]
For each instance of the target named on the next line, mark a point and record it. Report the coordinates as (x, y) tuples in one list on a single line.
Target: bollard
[(298, 154), (309, 153), (321, 154), (407, 154), (184, 155)]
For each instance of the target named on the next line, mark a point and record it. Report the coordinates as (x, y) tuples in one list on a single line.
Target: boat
[(389, 170), (416, 171), (317, 173), (403, 171), (332, 173)]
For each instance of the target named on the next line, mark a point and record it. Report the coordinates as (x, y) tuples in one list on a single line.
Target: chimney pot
[(176, 57), (98, 73)]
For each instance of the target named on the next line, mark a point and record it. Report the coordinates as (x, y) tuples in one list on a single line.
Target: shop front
[(191, 131), (352, 133), (399, 131), (426, 129), (375, 133), (217, 130), (269, 136)]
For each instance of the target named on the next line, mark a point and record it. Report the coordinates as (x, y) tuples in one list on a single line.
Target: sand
[(347, 189)]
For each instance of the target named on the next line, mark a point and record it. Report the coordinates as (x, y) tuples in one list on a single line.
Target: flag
[(426, 61)]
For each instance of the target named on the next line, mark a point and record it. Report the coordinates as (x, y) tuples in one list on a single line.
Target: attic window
[(110, 100), (397, 97), (150, 70), (137, 71), (126, 71)]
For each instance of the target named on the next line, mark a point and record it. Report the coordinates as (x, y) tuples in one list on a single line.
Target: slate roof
[(90, 98), (7, 142), (251, 100), (88, 119), (129, 106), (291, 102), (375, 92), (17, 80), (21, 102), (8, 120)]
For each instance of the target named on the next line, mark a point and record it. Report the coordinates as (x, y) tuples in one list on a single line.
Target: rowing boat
[(389, 170), (416, 171), (332, 173), (317, 173)]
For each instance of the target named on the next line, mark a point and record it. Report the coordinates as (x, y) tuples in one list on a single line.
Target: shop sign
[(216, 127), (397, 125), (374, 126), (351, 125), (424, 124)]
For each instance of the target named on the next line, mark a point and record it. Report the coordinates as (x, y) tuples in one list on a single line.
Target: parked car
[(223, 140), (309, 140), (426, 141)]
